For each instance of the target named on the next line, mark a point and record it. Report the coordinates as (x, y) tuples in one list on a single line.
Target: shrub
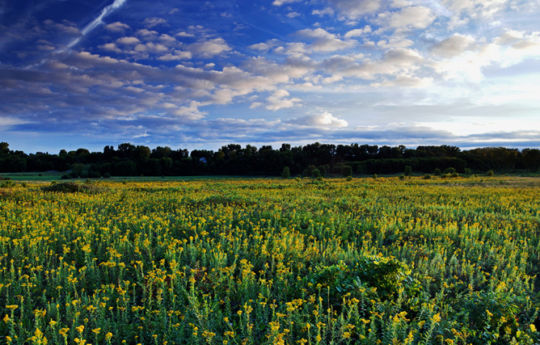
[(388, 275), (7, 184), (346, 171), (286, 173), (72, 187), (490, 173), (408, 170), (450, 171), (308, 172)]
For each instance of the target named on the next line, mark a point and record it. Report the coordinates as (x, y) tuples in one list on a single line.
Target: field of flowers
[(260, 261)]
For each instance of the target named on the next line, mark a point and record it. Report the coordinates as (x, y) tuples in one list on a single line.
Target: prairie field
[(272, 261)]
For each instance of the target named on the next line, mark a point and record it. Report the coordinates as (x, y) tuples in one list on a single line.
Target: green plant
[(408, 170), (286, 173), (346, 171)]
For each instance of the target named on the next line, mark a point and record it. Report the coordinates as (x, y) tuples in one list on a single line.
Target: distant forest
[(233, 159)]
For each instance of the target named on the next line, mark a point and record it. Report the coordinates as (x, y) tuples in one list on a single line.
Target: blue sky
[(201, 74)]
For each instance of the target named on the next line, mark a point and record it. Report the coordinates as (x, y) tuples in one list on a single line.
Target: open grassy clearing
[(268, 261)]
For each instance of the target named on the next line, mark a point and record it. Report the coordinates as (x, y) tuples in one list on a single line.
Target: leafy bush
[(408, 170), (7, 184), (387, 275), (72, 187), (346, 171), (494, 317), (286, 173)]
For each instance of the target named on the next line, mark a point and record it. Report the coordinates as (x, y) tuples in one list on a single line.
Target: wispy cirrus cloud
[(97, 21)]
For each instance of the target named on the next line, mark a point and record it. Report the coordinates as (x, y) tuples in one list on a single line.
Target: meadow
[(270, 261)]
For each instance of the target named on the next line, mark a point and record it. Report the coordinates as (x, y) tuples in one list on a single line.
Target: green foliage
[(450, 172), (7, 184), (346, 171), (286, 173), (384, 276), (271, 261), (493, 313), (233, 159), (407, 170), (72, 187)]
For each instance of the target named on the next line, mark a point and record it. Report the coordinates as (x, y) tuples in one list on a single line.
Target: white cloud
[(111, 47), (209, 48), (190, 112), (10, 121), (117, 27), (167, 39), (324, 121), (283, 2), (397, 63), (396, 41), (293, 14), (146, 34), (176, 55), (264, 46), (475, 8), (453, 46), (279, 100), (414, 17), (185, 34), (409, 81), (401, 3), (128, 40), (355, 9), (324, 41), (150, 47), (358, 32), (66, 27), (519, 40), (510, 48), (328, 11), (154, 21)]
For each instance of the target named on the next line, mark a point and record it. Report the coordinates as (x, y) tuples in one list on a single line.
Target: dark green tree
[(286, 173)]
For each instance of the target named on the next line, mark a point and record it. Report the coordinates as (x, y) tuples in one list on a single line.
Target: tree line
[(233, 159)]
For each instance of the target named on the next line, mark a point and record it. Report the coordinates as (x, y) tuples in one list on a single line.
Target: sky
[(201, 74)]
